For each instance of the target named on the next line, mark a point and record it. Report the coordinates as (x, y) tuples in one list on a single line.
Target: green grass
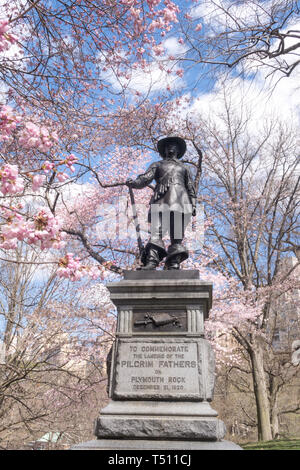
[(280, 444)]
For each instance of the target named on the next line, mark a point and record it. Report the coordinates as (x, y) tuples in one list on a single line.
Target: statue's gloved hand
[(129, 182)]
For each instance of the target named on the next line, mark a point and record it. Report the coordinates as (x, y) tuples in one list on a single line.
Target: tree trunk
[(261, 394), (274, 407), (275, 423)]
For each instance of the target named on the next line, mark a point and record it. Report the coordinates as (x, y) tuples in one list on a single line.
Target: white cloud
[(219, 14), (155, 75), (262, 107), (239, 19), (149, 79), (264, 91), (258, 96), (173, 47)]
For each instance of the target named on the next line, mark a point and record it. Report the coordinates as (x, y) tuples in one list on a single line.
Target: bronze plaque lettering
[(161, 370)]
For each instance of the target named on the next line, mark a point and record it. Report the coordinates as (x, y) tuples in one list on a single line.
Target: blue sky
[(264, 93)]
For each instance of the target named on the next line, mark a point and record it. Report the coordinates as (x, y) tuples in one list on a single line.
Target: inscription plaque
[(160, 370)]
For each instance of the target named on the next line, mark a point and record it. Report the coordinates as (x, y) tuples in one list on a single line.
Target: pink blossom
[(34, 136), (170, 15), (6, 38), (70, 160), (8, 122), (13, 38), (18, 229), (94, 272), (37, 182), (11, 183), (62, 177), (153, 3), (158, 50), (47, 166), (135, 12), (156, 24), (4, 26), (198, 27), (9, 244), (45, 230), (54, 136), (70, 267)]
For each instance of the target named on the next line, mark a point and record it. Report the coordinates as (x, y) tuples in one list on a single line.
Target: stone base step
[(143, 444)]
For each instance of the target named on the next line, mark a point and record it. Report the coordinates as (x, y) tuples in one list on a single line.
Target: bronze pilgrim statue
[(171, 206)]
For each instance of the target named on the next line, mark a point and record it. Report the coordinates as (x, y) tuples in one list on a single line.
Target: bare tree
[(249, 34), (54, 352)]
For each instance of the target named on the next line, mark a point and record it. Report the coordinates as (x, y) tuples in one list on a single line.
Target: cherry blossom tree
[(66, 45), (65, 72)]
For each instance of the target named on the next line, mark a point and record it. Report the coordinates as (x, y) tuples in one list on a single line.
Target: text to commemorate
[(160, 369)]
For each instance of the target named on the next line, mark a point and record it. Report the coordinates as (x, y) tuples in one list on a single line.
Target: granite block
[(163, 445), (161, 275)]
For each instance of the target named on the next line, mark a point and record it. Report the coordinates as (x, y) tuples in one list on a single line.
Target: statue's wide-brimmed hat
[(161, 145)]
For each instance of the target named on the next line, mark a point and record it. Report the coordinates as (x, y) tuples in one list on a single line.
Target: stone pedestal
[(162, 369)]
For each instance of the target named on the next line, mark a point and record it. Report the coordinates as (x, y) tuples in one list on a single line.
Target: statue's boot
[(176, 254), (153, 254)]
